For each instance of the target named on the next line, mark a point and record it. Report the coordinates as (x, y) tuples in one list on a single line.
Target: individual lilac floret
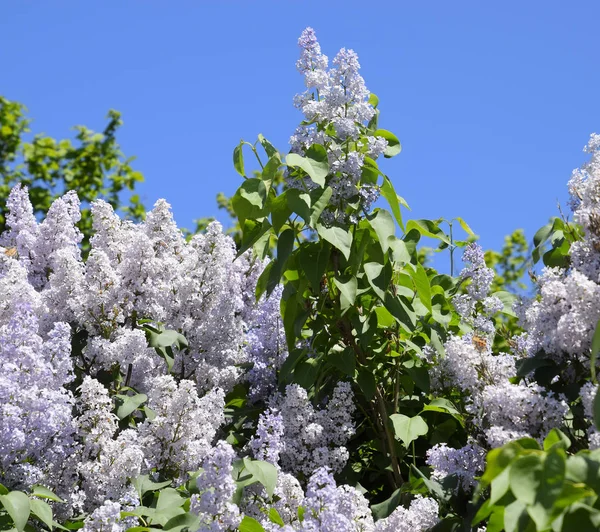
[(216, 484)]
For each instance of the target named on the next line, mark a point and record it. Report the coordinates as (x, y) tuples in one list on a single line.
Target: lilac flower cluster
[(336, 107), (499, 409), (311, 438), (68, 438), (216, 485), (561, 321)]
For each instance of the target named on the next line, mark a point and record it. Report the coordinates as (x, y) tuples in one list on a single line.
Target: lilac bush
[(166, 383)]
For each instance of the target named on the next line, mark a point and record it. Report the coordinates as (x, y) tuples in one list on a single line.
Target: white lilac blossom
[(588, 393), (128, 350), (562, 320), (329, 507), (267, 444), (37, 432), (421, 515), (213, 506), (267, 346), (339, 98), (466, 463), (180, 435), (519, 409), (470, 366), (105, 518), (314, 438)]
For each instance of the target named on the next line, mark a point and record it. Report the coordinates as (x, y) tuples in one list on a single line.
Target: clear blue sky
[(493, 101)]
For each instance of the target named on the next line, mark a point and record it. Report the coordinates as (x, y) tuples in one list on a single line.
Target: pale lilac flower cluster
[(213, 506), (421, 515), (37, 432), (178, 438), (499, 410), (339, 98), (329, 507), (313, 438), (74, 444), (561, 321), (467, 463), (267, 444), (267, 346), (588, 393), (105, 518)]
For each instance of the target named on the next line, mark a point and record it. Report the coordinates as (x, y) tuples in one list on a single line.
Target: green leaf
[(383, 224), (343, 360), (377, 278), (17, 505), (253, 232), (595, 351), (444, 405), (44, 493), (169, 498), (427, 228), (270, 170), (394, 147), (270, 150), (181, 523), (319, 198), (143, 484), (337, 237), (42, 511), (274, 517), (419, 277), (366, 382), (299, 202), (516, 518), (400, 251), (384, 318), (127, 404), (500, 486), (348, 291), (465, 226), (313, 258), (405, 316), (389, 193), (249, 200), (264, 472), (166, 338), (238, 159), (408, 429), (526, 477), (315, 163), (556, 438), (280, 210), (249, 524), (385, 508)]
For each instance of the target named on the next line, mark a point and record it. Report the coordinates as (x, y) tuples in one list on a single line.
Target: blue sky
[(492, 101)]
